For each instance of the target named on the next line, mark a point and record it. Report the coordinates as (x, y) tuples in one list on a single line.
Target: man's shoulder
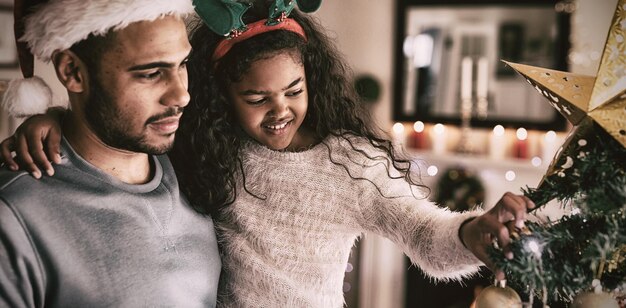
[(13, 185), (9, 179), (20, 187)]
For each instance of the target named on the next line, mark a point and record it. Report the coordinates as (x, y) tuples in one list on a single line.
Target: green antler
[(280, 9), (222, 16)]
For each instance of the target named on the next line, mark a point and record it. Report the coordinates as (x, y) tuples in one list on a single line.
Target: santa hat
[(45, 27)]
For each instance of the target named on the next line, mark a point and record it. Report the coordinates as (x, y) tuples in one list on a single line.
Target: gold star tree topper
[(583, 100)]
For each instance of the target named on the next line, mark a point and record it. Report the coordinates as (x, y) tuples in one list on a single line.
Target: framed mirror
[(447, 59)]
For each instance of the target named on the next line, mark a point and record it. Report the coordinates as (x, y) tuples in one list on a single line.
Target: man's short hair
[(91, 50)]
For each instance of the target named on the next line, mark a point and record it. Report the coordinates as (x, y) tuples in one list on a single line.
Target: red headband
[(253, 29)]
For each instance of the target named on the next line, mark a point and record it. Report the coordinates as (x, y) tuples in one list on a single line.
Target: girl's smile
[(277, 128)]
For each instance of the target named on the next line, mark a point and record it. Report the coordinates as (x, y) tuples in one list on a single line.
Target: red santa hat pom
[(28, 96)]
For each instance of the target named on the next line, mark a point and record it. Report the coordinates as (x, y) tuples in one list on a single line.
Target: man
[(110, 228)]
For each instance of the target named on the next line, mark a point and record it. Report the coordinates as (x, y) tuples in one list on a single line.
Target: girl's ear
[(70, 71)]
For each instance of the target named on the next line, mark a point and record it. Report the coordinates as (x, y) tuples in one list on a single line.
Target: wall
[(590, 24), (363, 30)]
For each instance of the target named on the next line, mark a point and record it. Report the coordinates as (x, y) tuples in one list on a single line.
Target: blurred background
[(430, 72)]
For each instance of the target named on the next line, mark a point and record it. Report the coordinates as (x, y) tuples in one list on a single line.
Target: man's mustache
[(169, 113)]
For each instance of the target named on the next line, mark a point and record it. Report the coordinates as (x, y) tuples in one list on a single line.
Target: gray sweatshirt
[(85, 239)]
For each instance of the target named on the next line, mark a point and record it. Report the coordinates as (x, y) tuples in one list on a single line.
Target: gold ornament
[(498, 296), (585, 100), (619, 257), (594, 300)]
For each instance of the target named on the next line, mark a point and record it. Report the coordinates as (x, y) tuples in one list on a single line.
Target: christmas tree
[(580, 258)]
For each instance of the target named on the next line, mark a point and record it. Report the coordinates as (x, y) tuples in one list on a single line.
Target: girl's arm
[(426, 233), (36, 144), (445, 244)]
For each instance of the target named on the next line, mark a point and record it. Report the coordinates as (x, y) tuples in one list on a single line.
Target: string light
[(521, 133), (509, 175), (536, 161), (533, 247), (550, 136), (418, 126), (439, 129), (432, 170), (498, 130), (398, 128), (347, 287)]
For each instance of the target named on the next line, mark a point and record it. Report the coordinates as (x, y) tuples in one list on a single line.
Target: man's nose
[(177, 93)]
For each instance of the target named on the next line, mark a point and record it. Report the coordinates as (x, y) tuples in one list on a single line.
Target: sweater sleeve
[(426, 233), (21, 278)]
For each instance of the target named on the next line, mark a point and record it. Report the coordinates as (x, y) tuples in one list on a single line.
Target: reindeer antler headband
[(224, 17)]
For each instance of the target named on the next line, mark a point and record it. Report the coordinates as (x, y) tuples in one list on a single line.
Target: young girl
[(274, 145)]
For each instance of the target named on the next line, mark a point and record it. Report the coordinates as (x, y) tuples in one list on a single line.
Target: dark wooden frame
[(4, 9), (562, 47)]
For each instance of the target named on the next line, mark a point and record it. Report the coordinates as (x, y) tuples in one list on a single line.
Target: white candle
[(398, 134), (438, 139), (466, 78), (497, 143), (549, 146), (483, 78)]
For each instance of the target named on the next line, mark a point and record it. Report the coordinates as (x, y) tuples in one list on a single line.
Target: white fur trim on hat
[(25, 97), (59, 24)]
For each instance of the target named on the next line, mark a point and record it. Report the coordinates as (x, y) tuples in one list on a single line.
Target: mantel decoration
[(580, 258)]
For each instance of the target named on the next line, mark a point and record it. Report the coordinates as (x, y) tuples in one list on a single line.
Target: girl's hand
[(497, 224), (36, 144)]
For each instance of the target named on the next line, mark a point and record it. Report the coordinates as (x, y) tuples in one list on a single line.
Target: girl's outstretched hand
[(36, 144), (497, 224)]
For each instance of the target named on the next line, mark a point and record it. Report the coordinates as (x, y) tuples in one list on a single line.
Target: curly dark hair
[(206, 153)]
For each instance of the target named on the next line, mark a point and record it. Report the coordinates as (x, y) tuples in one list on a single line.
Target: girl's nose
[(280, 107)]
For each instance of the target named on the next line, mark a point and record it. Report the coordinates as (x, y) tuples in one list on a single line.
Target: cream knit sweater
[(289, 246)]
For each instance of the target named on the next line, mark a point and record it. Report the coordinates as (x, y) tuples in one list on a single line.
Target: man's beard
[(108, 123)]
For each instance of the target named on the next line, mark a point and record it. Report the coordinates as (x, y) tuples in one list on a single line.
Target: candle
[(438, 138), (482, 78), (398, 134), (549, 146), (521, 145), (497, 143), (466, 79), (417, 137), (482, 88)]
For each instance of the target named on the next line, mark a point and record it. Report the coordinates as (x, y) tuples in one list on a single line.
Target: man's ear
[(71, 71)]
